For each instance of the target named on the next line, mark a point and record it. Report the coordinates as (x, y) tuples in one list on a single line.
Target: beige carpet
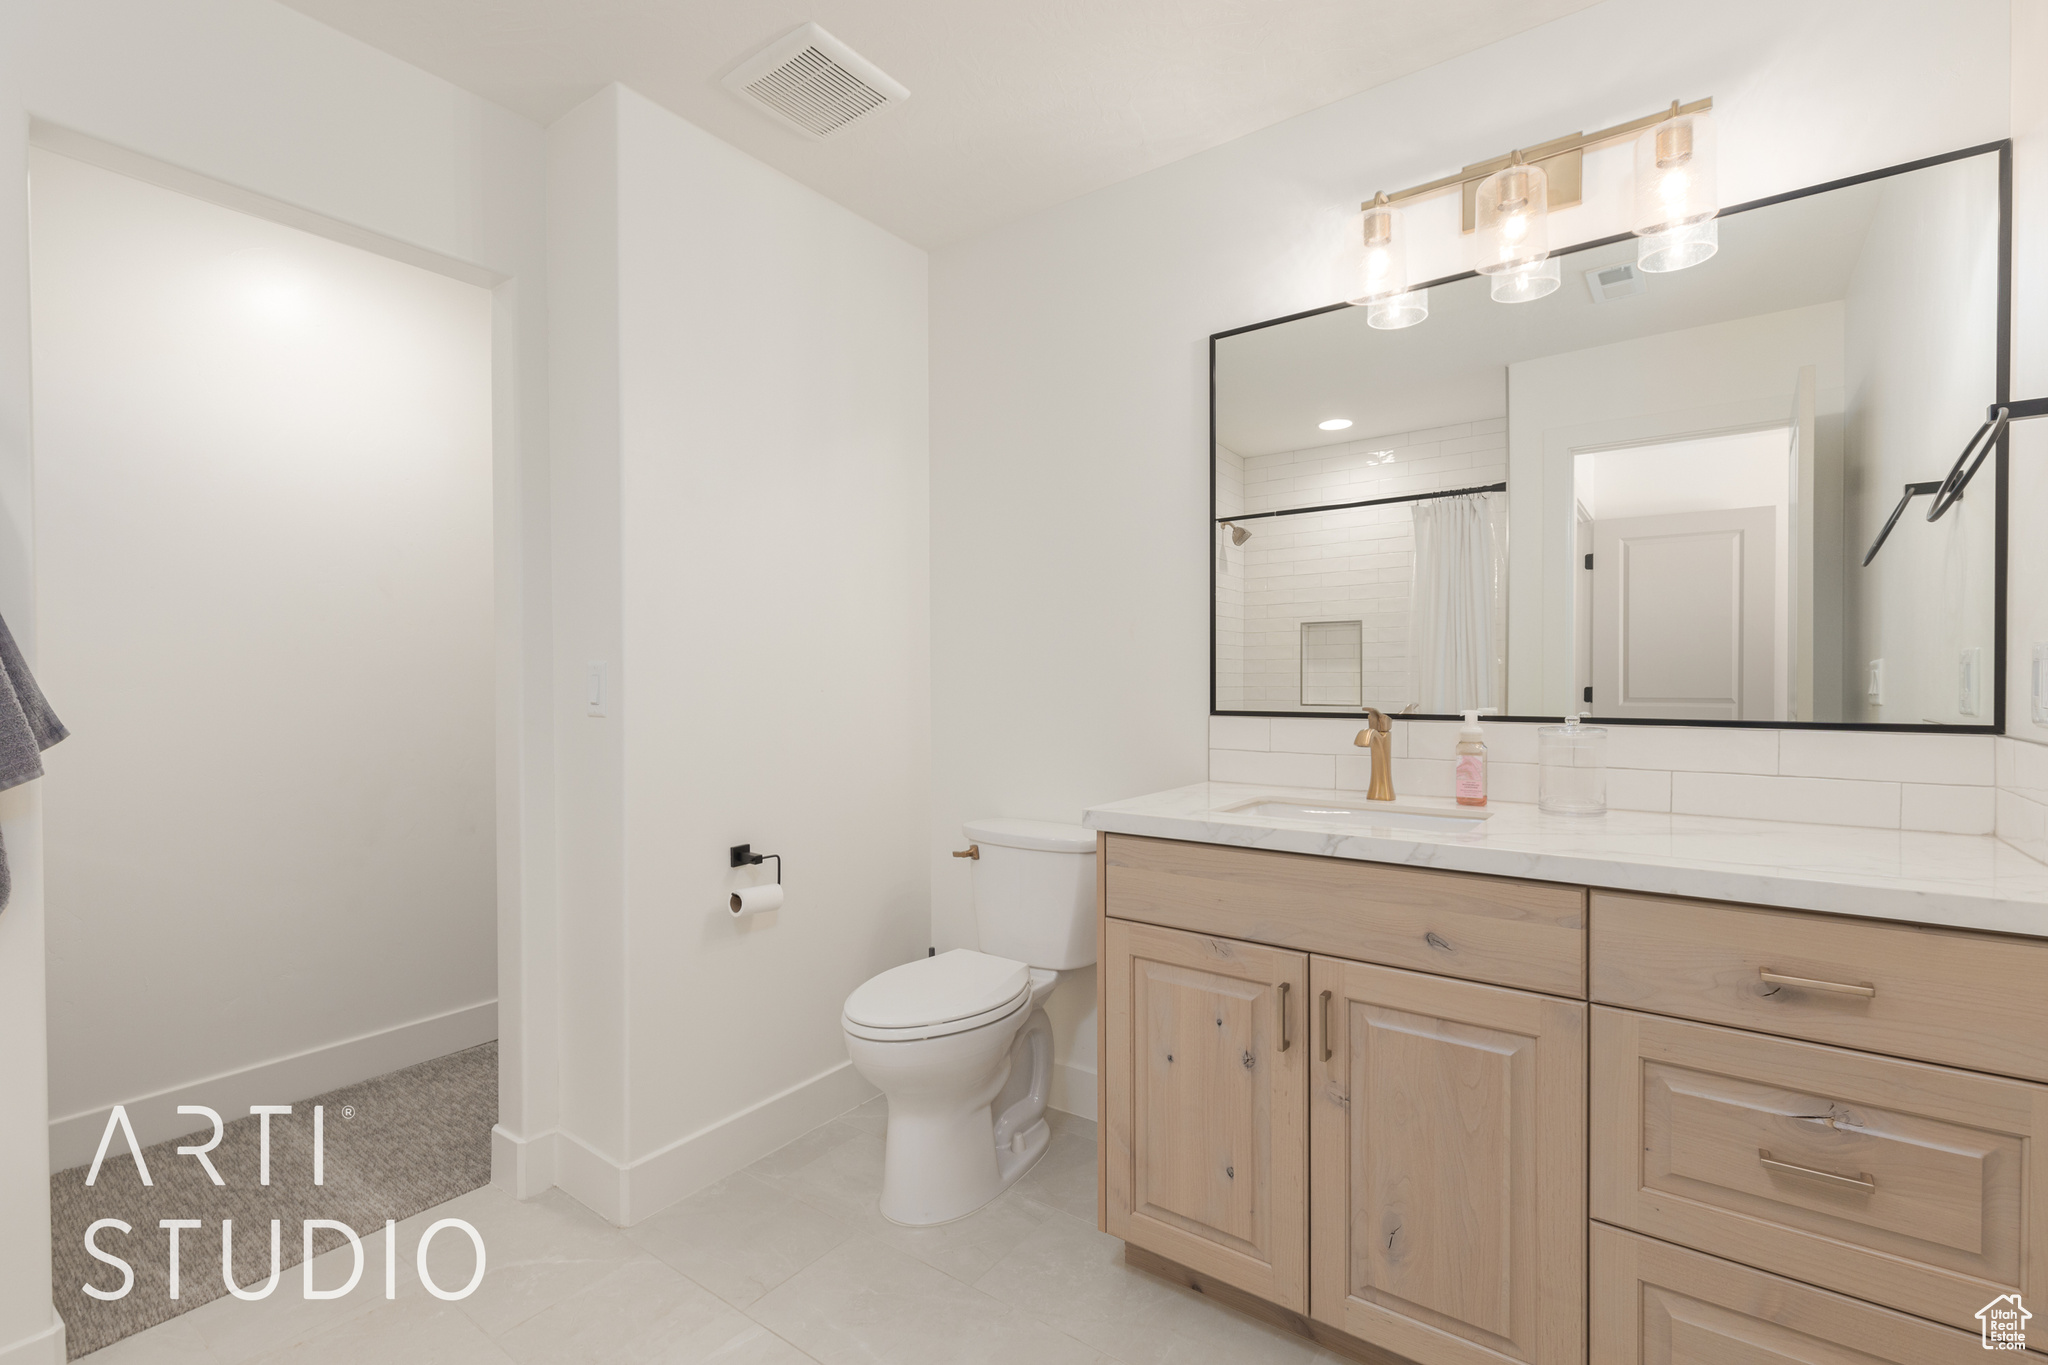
[(395, 1145)]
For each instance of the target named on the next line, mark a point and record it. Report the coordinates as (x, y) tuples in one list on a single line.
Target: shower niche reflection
[(1647, 497)]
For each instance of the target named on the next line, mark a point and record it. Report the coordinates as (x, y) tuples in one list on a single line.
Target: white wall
[(268, 104), (749, 413), (1921, 326), (263, 504), (1070, 402)]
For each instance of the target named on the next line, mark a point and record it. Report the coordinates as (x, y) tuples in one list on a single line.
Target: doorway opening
[(1685, 602)]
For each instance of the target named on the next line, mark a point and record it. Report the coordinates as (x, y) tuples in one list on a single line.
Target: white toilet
[(958, 1042)]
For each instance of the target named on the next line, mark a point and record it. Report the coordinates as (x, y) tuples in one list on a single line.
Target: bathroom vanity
[(1668, 1090)]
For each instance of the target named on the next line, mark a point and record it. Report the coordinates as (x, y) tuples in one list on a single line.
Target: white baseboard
[(1073, 1090), (285, 1080), (627, 1194), (523, 1167), (40, 1348)]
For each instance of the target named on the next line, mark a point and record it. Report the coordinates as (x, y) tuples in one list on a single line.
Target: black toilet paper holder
[(743, 855)]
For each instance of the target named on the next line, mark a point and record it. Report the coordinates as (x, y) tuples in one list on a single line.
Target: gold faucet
[(1378, 736)]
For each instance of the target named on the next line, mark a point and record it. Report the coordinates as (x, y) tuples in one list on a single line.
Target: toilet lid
[(938, 990)]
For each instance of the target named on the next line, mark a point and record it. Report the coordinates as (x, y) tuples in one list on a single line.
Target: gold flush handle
[(1804, 983), (1864, 1182), (971, 851)]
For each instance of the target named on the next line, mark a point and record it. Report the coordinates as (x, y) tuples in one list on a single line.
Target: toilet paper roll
[(752, 900)]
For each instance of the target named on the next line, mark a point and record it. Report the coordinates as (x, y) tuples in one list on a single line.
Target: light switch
[(1875, 692), (593, 694)]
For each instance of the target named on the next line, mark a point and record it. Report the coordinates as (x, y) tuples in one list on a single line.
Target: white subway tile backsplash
[(1240, 732), (1877, 756), (1638, 789), (2023, 824), (1509, 781), (1676, 748), (1948, 810), (2023, 766), (1280, 770), (1314, 735), (1423, 776), (1961, 784), (1811, 800)]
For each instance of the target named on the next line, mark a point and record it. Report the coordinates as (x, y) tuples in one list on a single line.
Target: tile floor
[(787, 1262)]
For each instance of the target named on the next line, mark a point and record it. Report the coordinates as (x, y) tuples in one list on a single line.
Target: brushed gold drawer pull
[(1866, 1182), (1327, 1053), (1809, 984), (1285, 1041)]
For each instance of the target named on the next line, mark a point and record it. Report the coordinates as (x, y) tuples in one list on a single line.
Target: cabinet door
[(1657, 1304), (1206, 1129), (1448, 1156)]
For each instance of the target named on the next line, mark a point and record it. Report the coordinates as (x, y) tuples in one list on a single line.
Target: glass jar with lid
[(1571, 775)]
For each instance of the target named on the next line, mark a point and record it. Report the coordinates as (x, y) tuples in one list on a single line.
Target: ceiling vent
[(1614, 282), (812, 82)]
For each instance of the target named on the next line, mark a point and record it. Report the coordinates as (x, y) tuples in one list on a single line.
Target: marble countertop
[(1967, 881)]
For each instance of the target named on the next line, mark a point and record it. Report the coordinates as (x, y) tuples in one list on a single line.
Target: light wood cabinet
[(1495, 929), (1939, 995), (1362, 1101), (1911, 1185), (1447, 1156), (1205, 1125), (1657, 1304)]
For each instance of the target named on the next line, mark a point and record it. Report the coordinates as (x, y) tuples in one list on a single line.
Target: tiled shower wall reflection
[(1354, 565)]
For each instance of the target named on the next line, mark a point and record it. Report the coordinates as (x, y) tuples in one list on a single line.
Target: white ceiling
[(1275, 384), (1014, 107)]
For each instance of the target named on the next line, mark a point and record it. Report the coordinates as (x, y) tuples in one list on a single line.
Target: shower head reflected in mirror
[(1238, 534)]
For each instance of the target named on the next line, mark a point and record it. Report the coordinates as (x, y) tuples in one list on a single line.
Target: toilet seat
[(934, 997)]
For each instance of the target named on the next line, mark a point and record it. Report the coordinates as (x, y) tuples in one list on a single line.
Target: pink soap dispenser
[(1470, 779)]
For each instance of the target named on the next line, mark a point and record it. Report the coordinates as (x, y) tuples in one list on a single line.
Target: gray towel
[(27, 727)]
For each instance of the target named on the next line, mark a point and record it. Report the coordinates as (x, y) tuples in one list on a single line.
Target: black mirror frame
[(2003, 380)]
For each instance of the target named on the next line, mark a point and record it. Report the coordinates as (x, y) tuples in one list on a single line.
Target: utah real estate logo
[(2005, 1323)]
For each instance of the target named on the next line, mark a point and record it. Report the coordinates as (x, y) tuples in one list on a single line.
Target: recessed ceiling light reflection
[(1335, 424)]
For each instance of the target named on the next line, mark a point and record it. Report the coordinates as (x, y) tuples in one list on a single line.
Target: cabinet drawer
[(1910, 1185), (1655, 1304), (1972, 1000), (1493, 929)]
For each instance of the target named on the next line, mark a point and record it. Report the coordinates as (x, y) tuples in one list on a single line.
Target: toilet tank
[(1034, 891)]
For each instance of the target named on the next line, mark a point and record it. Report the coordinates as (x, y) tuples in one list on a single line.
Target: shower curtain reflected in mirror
[(1456, 623)]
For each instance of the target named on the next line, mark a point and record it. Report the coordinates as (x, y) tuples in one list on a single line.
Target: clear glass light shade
[(1384, 271), (1511, 215), (1402, 310), (1680, 247), (1675, 175), (1530, 282)]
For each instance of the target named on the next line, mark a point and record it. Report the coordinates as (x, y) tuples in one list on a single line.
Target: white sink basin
[(1364, 815)]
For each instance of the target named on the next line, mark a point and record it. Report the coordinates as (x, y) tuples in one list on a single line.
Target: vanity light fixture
[(1334, 424), (1529, 282), (1383, 275), (1675, 193), (1511, 213), (1508, 202), (1402, 310)]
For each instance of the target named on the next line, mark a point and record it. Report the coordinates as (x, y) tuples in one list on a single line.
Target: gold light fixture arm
[(1561, 159)]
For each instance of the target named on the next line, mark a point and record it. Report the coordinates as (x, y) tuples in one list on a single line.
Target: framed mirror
[(1648, 497)]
